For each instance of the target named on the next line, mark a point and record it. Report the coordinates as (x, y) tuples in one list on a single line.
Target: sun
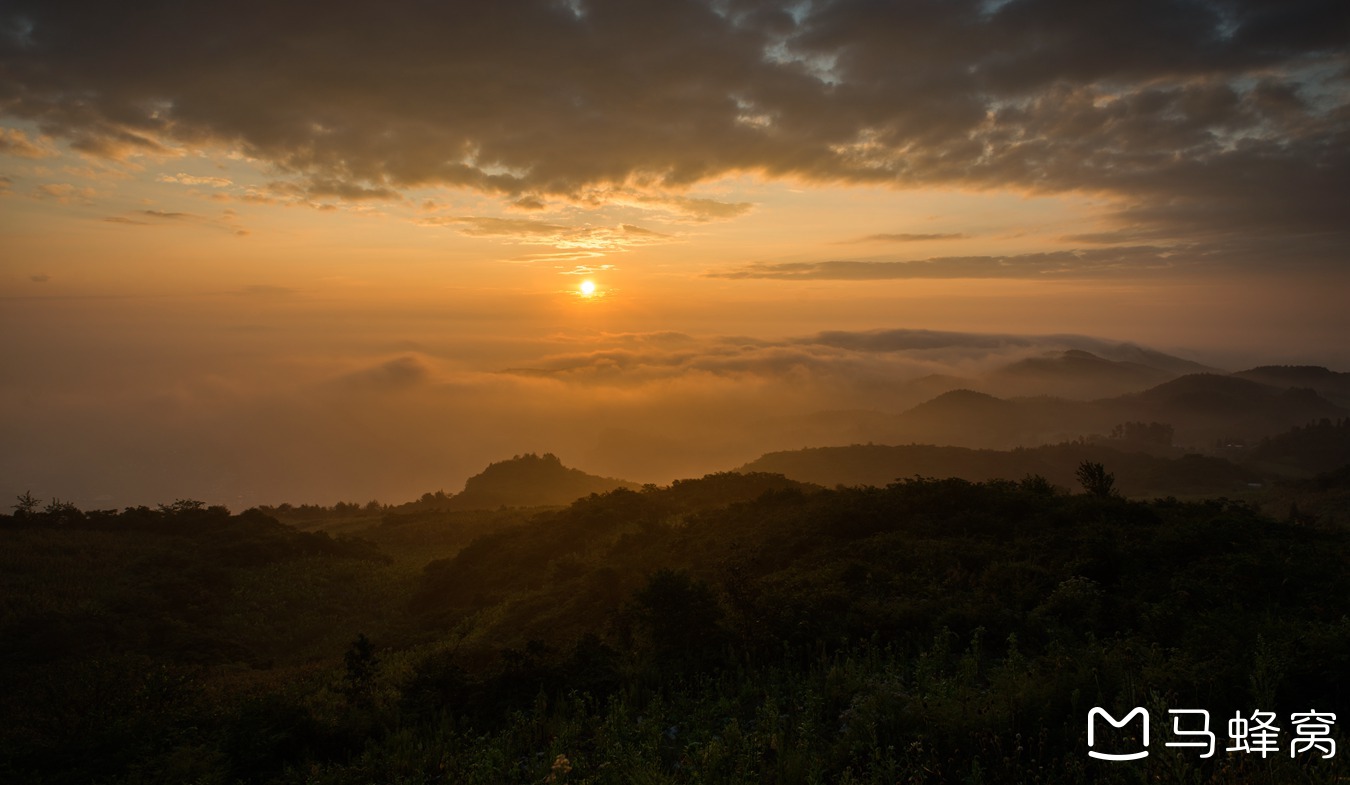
[(587, 288)]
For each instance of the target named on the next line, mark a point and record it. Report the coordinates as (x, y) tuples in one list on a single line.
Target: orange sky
[(211, 217)]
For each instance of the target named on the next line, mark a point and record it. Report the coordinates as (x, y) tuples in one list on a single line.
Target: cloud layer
[(1093, 262), (1194, 116), (112, 410)]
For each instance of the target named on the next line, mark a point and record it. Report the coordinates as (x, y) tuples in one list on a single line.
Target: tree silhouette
[(1095, 479), (27, 504), (362, 666)]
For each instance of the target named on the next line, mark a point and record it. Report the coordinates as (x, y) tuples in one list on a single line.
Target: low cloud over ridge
[(231, 415)]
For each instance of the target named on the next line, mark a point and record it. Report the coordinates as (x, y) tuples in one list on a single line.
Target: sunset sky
[(256, 252)]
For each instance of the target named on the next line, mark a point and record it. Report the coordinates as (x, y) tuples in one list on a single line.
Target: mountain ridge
[(527, 480)]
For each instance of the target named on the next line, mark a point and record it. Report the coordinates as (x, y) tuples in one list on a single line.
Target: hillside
[(1201, 405), (1329, 384), (1202, 409), (1074, 374), (1316, 448), (528, 480), (735, 628), (1137, 474), (1151, 358), (966, 418)]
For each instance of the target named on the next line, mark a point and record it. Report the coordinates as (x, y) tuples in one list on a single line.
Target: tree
[(61, 512), (683, 619), (1095, 479), (362, 666), (181, 506), (1148, 433), (27, 505)]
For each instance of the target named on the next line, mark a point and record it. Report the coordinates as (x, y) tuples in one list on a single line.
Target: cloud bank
[(1194, 116), (1093, 262), (244, 405)]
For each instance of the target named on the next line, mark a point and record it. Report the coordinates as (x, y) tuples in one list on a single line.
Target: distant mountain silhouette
[(928, 387), (1075, 374), (528, 480), (1331, 385), (1139, 355), (1080, 369), (1212, 404), (966, 418), (1209, 389), (1202, 408)]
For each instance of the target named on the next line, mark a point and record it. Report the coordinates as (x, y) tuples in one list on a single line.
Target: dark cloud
[(1055, 264), (1196, 116), (529, 203), (350, 191)]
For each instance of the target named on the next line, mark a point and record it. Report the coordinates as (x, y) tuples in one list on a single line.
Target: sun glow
[(587, 288)]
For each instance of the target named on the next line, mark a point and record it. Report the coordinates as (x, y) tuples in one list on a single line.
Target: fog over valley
[(119, 411)]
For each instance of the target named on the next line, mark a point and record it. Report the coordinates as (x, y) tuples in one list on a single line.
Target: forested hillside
[(1139, 474), (738, 628)]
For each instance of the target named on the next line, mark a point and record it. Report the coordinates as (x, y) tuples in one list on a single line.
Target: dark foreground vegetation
[(738, 628)]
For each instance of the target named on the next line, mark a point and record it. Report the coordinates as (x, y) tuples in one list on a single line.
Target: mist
[(119, 402)]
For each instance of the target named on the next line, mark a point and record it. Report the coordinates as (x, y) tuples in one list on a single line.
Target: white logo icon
[(1099, 711)]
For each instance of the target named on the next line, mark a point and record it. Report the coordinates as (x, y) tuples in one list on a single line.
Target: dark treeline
[(1139, 472), (1320, 446), (372, 507), (738, 628)]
